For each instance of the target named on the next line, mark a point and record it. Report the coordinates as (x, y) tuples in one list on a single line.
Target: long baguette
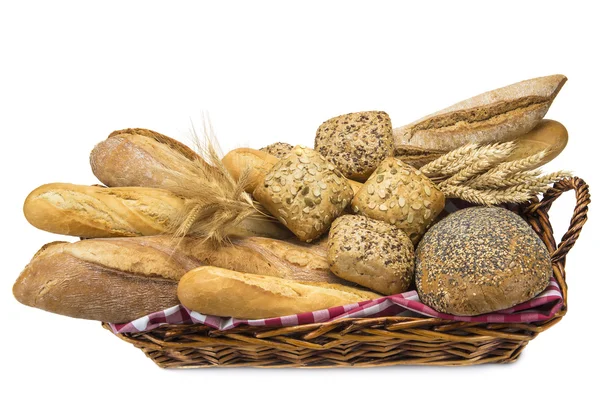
[(220, 292), (94, 211), (120, 279)]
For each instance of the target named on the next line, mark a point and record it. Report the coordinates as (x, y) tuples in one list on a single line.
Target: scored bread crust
[(220, 292), (495, 116)]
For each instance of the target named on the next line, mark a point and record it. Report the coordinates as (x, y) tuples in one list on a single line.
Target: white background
[(70, 73)]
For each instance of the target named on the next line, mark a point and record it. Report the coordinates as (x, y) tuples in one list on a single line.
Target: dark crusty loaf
[(479, 260)]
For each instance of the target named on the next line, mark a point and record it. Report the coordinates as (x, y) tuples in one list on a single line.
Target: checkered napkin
[(540, 308)]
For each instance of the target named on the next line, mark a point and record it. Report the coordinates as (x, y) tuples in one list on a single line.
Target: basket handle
[(578, 219)]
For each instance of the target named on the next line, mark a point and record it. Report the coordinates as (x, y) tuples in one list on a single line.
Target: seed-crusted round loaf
[(372, 253), (480, 260), (278, 149), (356, 143), (305, 192), (400, 195)]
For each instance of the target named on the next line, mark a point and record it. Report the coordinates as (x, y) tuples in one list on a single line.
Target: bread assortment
[(290, 229)]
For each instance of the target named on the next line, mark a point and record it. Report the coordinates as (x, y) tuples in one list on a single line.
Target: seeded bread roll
[(372, 253), (257, 163), (216, 291), (480, 260), (278, 149), (305, 192), (356, 143), (400, 195)]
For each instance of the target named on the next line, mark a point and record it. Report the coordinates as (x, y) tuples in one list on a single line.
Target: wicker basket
[(370, 342)]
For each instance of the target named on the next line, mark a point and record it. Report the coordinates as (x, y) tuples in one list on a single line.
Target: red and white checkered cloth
[(540, 308)]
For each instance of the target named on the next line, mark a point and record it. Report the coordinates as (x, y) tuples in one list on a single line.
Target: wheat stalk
[(215, 201)]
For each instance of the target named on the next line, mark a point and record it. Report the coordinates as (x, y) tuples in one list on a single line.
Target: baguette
[(121, 279), (496, 116), (258, 163), (216, 291), (94, 211)]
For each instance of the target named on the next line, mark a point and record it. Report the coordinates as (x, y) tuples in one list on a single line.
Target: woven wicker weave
[(370, 342)]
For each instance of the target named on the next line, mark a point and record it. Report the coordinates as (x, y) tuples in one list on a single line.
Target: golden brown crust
[(372, 253), (258, 163), (400, 195), (495, 116), (172, 143), (548, 135), (220, 292), (480, 260)]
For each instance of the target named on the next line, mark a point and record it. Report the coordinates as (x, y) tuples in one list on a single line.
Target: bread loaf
[(216, 291), (372, 253), (356, 143), (121, 279), (141, 157), (257, 163), (70, 279), (94, 211), (496, 116), (305, 192), (550, 136), (480, 260), (400, 195)]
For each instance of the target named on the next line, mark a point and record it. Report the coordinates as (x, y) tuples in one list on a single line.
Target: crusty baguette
[(141, 157), (495, 116), (58, 280), (120, 279), (258, 163), (94, 211), (216, 291)]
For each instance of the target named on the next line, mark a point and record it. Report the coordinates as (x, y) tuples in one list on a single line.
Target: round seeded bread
[(278, 149), (372, 253), (356, 143), (480, 260)]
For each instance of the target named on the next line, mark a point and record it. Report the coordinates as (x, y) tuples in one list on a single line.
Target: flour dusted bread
[(216, 291), (495, 116), (480, 260)]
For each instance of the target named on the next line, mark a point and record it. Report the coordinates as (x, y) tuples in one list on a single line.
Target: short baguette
[(495, 116), (216, 291), (95, 211)]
